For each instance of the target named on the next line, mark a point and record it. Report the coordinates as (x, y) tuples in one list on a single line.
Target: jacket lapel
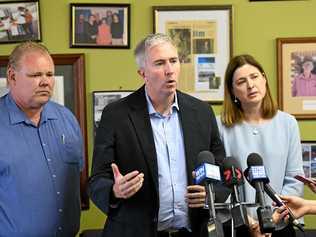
[(189, 123), (141, 121)]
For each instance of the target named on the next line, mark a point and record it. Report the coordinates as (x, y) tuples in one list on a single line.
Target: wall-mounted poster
[(202, 35)]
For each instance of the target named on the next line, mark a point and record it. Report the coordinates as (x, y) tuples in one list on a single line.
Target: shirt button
[(60, 210), (59, 228), (58, 193), (44, 144), (49, 160), (54, 176)]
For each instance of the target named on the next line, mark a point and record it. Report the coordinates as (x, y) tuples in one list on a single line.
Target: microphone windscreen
[(256, 170), (232, 172), (205, 157), (230, 162), (254, 159)]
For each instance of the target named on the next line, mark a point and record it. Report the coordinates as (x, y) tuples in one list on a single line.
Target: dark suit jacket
[(125, 137)]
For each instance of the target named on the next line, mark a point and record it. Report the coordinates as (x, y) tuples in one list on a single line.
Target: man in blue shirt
[(146, 148), (41, 152)]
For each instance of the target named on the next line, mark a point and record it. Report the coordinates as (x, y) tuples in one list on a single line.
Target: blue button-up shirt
[(39, 172), (172, 175)]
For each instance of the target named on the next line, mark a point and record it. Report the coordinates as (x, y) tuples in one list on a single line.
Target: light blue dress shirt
[(172, 175), (39, 172)]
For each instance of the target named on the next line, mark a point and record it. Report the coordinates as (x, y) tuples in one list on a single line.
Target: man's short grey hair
[(20, 50), (145, 44)]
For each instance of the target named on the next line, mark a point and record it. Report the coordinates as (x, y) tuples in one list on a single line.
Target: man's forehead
[(163, 50), (34, 54)]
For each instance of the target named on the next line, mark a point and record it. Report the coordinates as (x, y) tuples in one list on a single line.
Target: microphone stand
[(214, 227), (230, 207)]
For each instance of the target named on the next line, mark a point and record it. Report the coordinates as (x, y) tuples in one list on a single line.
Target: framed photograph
[(203, 35), (102, 99), (19, 21), (69, 91), (309, 158), (296, 65), (100, 25)]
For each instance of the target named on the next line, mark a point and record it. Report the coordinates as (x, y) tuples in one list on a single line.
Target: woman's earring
[(235, 100)]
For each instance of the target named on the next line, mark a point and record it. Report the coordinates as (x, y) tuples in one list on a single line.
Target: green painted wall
[(256, 25)]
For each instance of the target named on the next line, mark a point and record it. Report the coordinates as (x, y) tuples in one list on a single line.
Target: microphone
[(234, 178), (275, 197), (256, 175), (279, 202), (208, 173)]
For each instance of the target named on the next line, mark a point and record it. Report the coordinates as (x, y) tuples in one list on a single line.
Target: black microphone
[(256, 175), (233, 178), (275, 197), (208, 173)]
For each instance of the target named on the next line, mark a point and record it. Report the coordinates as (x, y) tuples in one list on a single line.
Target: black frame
[(122, 10), (95, 94), (22, 32)]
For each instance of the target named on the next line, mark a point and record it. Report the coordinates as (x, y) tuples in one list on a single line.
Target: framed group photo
[(309, 158), (19, 21), (296, 59), (100, 25), (203, 36), (102, 99)]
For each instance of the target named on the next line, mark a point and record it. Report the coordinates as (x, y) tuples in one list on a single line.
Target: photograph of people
[(304, 84), (19, 22), (100, 26), (250, 122)]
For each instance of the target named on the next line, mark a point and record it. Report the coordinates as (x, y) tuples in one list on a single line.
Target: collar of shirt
[(151, 109), (18, 116), (310, 78)]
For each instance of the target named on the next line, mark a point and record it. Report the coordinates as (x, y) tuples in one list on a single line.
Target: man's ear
[(10, 75), (141, 73)]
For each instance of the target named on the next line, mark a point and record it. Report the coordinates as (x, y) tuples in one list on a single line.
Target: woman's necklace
[(255, 131)]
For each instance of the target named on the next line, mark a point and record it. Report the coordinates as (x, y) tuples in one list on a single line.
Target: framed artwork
[(100, 25), (70, 83), (309, 158), (19, 21), (296, 65), (203, 35), (102, 99)]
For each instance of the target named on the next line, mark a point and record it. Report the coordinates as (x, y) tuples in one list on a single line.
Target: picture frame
[(296, 57), (20, 21), (100, 25), (203, 35), (309, 158), (103, 98), (70, 68)]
